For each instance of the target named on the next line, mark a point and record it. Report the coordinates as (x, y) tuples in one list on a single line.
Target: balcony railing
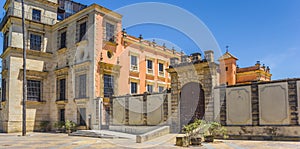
[(28, 15)]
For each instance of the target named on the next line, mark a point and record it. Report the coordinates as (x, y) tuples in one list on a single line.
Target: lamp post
[(24, 74)]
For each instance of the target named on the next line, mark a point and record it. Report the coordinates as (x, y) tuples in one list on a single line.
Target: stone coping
[(153, 134)]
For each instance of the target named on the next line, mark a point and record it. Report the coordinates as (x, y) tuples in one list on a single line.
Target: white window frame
[(137, 87), (161, 73), (134, 67), (149, 71), (152, 88)]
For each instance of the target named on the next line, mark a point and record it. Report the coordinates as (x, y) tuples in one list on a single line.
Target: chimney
[(174, 61), (209, 55), (195, 57), (185, 59)]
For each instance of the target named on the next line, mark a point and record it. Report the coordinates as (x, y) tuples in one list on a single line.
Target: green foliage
[(44, 126), (202, 127), (70, 125), (193, 129), (216, 129), (59, 125)]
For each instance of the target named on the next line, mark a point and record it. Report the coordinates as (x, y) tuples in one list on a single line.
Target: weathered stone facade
[(198, 71), (261, 110)]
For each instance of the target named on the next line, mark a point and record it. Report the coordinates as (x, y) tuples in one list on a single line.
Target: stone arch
[(192, 103)]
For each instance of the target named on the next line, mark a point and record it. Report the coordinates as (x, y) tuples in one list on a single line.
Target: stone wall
[(201, 72), (140, 110), (261, 109)]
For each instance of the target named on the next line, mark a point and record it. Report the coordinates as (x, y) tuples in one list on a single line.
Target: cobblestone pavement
[(63, 141)]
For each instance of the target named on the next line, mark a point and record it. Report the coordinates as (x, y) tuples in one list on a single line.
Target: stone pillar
[(127, 110), (145, 108), (175, 124), (255, 104), (292, 98), (223, 117), (165, 107)]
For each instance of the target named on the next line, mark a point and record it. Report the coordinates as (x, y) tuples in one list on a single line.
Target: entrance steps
[(138, 138), (102, 134)]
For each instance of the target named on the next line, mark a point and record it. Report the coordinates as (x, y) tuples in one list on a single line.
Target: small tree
[(213, 129), (70, 126)]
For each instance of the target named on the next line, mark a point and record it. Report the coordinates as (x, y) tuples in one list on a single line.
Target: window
[(82, 86), (36, 15), (108, 85), (149, 88), (5, 44), (62, 115), (133, 62), (149, 66), (82, 31), (134, 88), (35, 42), (161, 69), (34, 90), (3, 90), (226, 68), (161, 89), (61, 89), (110, 31), (81, 116), (63, 39)]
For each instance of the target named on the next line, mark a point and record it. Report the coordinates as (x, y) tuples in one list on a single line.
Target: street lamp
[(24, 74)]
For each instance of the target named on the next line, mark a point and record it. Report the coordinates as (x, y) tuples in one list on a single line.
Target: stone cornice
[(13, 50), (46, 2), (86, 11), (84, 66), (62, 71), (33, 74), (254, 72)]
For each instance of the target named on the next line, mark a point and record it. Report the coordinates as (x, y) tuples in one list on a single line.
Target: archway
[(192, 103)]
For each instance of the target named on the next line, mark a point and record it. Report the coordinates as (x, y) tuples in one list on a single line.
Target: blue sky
[(264, 30)]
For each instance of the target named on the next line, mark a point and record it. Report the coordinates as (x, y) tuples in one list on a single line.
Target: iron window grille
[(108, 85), (62, 115), (34, 90), (110, 31), (63, 39), (82, 31), (133, 86), (5, 41), (35, 42), (36, 15), (61, 89), (82, 86), (3, 90)]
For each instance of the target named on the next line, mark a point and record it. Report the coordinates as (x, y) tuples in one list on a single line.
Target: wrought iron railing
[(28, 15)]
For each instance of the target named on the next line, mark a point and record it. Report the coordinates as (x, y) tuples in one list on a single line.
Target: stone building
[(192, 82), (77, 56), (231, 74)]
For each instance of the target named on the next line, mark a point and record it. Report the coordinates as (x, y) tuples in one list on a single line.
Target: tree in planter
[(60, 126), (70, 126), (44, 126), (194, 131), (213, 129)]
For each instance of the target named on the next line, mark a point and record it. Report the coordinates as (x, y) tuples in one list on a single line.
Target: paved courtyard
[(63, 141)]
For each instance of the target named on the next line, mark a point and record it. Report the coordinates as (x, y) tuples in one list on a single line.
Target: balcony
[(28, 15)]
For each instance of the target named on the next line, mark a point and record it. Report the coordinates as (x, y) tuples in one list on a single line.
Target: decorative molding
[(238, 106), (273, 104), (62, 71)]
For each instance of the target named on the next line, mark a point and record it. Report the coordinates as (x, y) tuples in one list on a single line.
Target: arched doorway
[(192, 103)]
